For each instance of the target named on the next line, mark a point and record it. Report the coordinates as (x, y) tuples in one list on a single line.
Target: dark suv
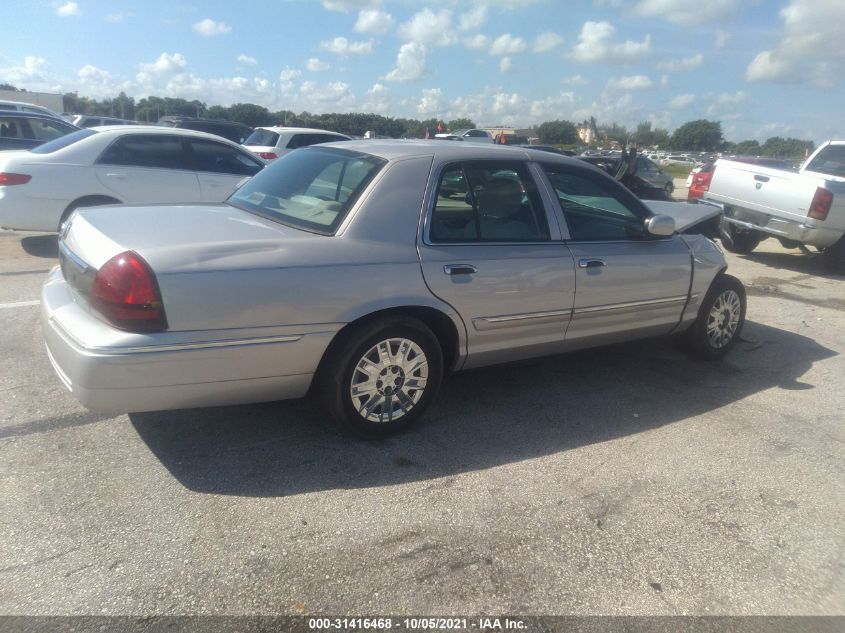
[(25, 130), (235, 132)]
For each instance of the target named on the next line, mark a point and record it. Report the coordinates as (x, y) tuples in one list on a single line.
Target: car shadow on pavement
[(482, 418), (793, 261), (41, 245)]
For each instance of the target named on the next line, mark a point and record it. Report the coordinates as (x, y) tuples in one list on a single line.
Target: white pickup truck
[(803, 208)]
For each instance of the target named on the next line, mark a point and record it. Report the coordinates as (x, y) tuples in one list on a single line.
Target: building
[(54, 102)]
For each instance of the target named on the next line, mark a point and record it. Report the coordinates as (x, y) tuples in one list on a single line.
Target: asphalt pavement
[(625, 480)]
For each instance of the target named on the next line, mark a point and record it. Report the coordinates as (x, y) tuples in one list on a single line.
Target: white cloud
[(472, 20), (681, 65), (630, 82), (430, 103), (342, 46), (430, 28), (689, 13), (374, 21), (720, 38), (378, 100), (345, 6), (811, 49), (679, 102), (505, 64), (507, 44), (574, 80), (117, 18), (31, 70), (67, 9), (334, 96), (596, 45), (546, 42), (725, 104), (246, 59), (165, 65), (315, 65), (410, 63), (288, 74), (210, 28), (477, 42)]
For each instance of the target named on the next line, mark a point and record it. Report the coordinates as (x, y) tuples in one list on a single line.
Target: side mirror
[(661, 225)]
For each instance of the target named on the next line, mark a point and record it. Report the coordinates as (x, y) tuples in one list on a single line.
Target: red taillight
[(267, 155), (820, 206), (700, 184), (125, 292), (7, 178)]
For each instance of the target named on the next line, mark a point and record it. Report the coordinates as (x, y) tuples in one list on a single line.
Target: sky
[(761, 67)]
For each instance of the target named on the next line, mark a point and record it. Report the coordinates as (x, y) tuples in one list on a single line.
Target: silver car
[(366, 270)]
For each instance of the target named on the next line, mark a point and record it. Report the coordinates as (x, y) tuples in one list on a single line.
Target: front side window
[(596, 209), (313, 189), (478, 202), (220, 158), (47, 130), (146, 150)]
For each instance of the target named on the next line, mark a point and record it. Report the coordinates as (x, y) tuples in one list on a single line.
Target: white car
[(272, 142), (21, 106), (40, 188), (475, 136)]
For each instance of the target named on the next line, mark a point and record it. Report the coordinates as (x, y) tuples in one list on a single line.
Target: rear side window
[(222, 159), (63, 141), (478, 202), (146, 150), (312, 189), (10, 127), (48, 130), (831, 161), (262, 137)]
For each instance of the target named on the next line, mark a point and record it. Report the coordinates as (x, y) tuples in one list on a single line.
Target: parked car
[(25, 130), (647, 184), (548, 148), (801, 208), (22, 106), (679, 160), (39, 189), (474, 136), (231, 130), (89, 120), (272, 142), (342, 267)]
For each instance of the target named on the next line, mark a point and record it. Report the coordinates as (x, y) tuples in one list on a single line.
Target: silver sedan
[(365, 271)]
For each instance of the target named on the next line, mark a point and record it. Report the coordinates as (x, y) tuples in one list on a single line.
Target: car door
[(490, 249), (220, 167), (148, 168), (629, 284)]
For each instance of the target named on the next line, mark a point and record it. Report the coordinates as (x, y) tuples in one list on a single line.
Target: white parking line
[(19, 304)]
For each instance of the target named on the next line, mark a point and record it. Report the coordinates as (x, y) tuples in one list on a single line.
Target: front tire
[(380, 378), (720, 319), (833, 257)]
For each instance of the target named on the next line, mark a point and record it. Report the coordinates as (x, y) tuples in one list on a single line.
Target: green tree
[(614, 132), (747, 148), (557, 132), (8, 87), (250, 114), (460, 124), (700, 135), (786, 147)]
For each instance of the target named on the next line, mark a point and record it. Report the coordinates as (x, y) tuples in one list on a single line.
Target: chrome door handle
[(585, 262), (459, 269), (116, 176), (760, 178)]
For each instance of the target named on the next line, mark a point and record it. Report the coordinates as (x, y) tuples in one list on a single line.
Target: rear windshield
[(63, 141), (262, 137), (311, 188), (831, 161)]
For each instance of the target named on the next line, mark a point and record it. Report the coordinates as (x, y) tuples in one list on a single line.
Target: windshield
[(262, 137), (63, 141), (310, 188), (831, 161)]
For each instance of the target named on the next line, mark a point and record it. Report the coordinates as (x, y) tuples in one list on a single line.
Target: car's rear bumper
[(131, 372), (802, 232)]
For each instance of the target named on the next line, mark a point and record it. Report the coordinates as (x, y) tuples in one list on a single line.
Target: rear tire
[(833, 257), (720, 319), (380, 378), (738, 241)]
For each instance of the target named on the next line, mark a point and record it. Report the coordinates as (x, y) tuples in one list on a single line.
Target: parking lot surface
[(624, 480)]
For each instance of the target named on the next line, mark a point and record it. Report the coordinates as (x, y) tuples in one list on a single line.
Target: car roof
[(158, 129), (444, 150), (278, 129), (33, 115)]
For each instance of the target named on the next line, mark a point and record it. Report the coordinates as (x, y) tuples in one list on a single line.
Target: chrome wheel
[(723, 319), (389, 380)]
